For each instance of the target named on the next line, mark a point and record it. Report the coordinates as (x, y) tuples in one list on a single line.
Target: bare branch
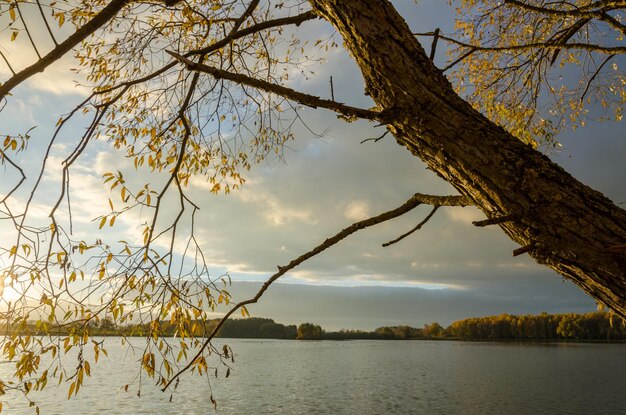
[(7, 62), (417, 228), (3, 157), (376, 139), (45, 20), (304, 99), (416, 200), (30, 37), (595, 74)]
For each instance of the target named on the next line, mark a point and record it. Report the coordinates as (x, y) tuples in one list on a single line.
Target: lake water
[(363, 377)]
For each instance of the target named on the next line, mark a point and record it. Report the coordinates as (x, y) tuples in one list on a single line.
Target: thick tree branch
[(304, 99), (63, 48)]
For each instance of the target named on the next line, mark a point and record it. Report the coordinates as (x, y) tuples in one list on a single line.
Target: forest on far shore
[(596, 326)]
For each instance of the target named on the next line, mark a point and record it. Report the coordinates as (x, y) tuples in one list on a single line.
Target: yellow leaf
[(72, 386), (101, 272), (14, 35), (102, 222), (12, 14)]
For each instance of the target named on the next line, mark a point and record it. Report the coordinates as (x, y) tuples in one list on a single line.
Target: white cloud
[(357, 210), (465, 215), (426, 265), (273, 209)]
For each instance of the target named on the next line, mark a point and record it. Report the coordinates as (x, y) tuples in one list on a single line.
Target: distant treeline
[(598, 326), (254, 327), (589, 326)]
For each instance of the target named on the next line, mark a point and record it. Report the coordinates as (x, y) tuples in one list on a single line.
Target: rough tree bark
[(557, 220)]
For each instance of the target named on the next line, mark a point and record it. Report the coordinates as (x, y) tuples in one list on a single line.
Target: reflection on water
[(363, 377)]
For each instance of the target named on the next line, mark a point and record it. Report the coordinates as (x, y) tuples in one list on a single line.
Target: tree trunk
[(559, 221)]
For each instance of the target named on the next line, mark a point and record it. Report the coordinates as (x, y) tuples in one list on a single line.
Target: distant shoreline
[(597, 327)]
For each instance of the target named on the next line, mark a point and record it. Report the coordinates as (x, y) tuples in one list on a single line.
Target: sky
[(447, 271)]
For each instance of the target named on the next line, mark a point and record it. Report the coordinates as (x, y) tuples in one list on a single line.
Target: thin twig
[(459, 59), (3, 157), (7, 62), (376, 139), (594, 77), (417, 228), (45, 20), (32, 42)]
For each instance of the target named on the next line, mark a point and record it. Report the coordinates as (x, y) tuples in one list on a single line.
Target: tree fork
[(570, 226)]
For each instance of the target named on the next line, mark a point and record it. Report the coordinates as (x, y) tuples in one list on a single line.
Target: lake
[(362, 377)]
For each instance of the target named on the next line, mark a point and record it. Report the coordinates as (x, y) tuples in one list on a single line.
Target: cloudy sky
[(446, 271)]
